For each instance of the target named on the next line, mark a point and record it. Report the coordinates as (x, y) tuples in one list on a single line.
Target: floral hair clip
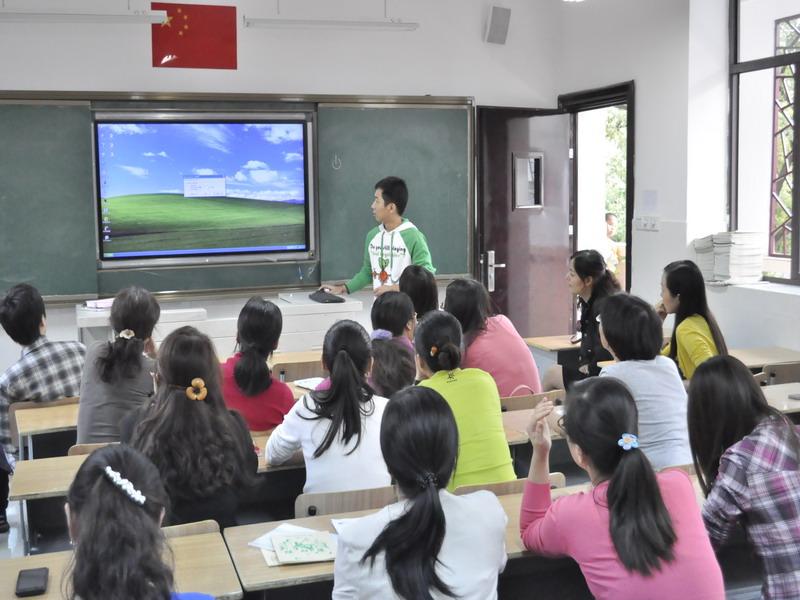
[(628, 441), (434, 351), (198, 390), (125, 485), (127, 334)]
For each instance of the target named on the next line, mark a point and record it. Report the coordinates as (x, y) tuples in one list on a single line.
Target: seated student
[(747, 458), (637, 534), (492, 343), (483, 454), (696, 337), (45, 372), (337, 429), (247, 384), (590, 280), (631, 330), (420, 285), (204, 453), (115, 507), (118, 376), (392, 350), (390, 247), (432, 543)]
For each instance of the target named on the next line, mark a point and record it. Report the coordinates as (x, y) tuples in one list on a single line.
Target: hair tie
[(198, 390), (381, 334), (434, 351), (125, 485), (427, 479), (628, 441), (127, 334)]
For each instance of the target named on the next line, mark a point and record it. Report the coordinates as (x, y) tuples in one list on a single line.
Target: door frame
[(573, 103)]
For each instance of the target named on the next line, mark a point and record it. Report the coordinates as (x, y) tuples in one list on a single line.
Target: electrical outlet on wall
[(647, 223)]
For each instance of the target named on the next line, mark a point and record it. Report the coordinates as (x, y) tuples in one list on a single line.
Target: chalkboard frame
[(243, 102)]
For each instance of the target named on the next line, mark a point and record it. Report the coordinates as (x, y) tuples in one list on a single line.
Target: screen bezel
[(216, 258)]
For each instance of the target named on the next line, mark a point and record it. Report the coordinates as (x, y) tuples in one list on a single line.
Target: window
[(765, 52)]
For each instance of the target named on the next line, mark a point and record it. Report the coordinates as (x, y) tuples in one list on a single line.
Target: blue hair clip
[(628, 441)]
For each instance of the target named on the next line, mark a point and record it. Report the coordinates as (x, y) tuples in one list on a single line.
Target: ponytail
[(641, 528), (258, 330), (598, 411), (411, 544), (346, 353), (419, 441), (251, 372), (118, 541), (134, 314), (437, 341)]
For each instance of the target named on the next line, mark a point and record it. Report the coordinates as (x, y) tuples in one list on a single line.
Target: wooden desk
[(47, 419), (756, 358), (778, 396), (202, 564), (44, 477), (256, 575), (553, 343)]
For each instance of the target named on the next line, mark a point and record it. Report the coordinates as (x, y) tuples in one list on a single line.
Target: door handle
[(490, 267)]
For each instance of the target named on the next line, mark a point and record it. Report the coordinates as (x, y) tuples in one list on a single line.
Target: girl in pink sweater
[(636, 534)]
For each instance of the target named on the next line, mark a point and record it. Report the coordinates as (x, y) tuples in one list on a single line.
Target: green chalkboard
[(46, 198), (428, 147), (48, 234)]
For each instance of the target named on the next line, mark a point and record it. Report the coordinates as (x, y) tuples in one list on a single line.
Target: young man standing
[(45, 371), (391, 246)]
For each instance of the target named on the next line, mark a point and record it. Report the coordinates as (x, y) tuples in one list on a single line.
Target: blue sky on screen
[(262, 161)]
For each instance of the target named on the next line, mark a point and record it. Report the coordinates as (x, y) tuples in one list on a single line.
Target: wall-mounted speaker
[(497, 25)]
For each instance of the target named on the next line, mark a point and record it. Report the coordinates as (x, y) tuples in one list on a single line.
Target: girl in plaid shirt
[(747, 457)]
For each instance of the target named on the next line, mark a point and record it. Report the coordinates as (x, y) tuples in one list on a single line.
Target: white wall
[(446, 56), (611, 41)]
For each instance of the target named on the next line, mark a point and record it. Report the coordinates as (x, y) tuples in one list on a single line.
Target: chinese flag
[(195, 36)]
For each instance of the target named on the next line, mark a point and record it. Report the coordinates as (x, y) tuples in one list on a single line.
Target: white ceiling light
[(384, 25), (143, 16)]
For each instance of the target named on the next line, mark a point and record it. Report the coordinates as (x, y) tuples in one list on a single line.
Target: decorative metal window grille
[(787, 40)]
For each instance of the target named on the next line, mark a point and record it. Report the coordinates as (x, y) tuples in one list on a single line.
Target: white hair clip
[(127, 334), (125, 485)]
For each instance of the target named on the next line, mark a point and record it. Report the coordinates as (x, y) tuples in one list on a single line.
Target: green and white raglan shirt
[(388, 253)]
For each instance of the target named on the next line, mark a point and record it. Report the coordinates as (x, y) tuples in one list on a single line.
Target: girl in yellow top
[(696, 336), (483, 454)]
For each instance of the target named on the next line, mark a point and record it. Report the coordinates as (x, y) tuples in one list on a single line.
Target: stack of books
[(704, 251), (738, 256)]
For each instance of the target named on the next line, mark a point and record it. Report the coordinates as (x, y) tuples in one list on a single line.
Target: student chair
[(196, 528), (80, 449), (530, 401), (503, 488), (782, 373), (309, 505)]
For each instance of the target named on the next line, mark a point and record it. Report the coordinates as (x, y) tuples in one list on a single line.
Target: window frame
[(736, 68)]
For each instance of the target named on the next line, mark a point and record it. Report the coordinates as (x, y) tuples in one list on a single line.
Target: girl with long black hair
[(591, 282), (637, 534), (696, 337), (204, 452), (247, 384), (117, 376), (432, 544), (483, 455), (338, 429), (747, 458), (115, 507)]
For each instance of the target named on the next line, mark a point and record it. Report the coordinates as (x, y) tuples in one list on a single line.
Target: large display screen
[(201, 188)]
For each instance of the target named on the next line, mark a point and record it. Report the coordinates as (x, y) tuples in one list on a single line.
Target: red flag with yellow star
[(195, 36)]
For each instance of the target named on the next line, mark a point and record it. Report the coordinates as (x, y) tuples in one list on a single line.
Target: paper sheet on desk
[(309, 383), (264, 543)]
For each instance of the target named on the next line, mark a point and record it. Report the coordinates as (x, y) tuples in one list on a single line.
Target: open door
[(524, 233)]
